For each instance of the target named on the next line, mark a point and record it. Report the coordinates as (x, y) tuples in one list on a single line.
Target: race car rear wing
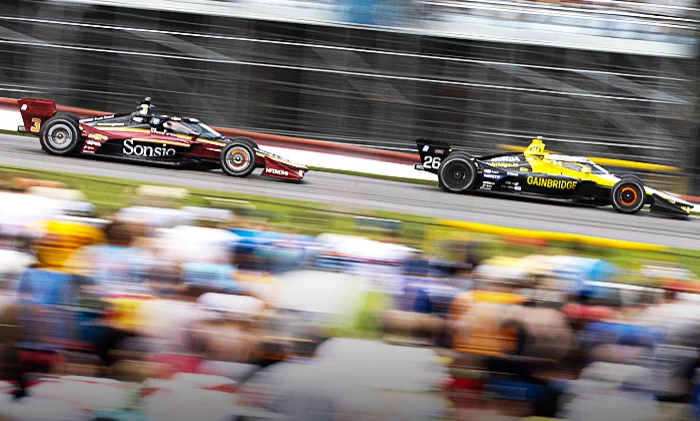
[(432, 153), (34, 113)]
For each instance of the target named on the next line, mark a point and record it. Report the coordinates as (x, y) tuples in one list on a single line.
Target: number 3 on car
[(36, 125)]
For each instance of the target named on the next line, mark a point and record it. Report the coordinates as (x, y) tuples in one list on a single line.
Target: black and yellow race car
[(540, 173)]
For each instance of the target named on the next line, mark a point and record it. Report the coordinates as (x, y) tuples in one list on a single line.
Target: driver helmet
[(536, 147), (145, 107)]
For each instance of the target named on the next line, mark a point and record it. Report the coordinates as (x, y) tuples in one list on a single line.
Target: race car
[(537, 172), (147, 137)]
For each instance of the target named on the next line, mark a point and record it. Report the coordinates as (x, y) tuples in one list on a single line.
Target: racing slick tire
[(457, 173), (633, 176), (247, 140), (60, 135), (237, 159), (628, 195)]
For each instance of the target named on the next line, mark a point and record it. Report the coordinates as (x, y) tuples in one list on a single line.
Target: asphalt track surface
[(352, 193)]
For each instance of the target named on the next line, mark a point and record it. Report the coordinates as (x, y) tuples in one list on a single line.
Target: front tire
[(237, 159), (247, 140), (628, 195), (60, 135), (457, 173)]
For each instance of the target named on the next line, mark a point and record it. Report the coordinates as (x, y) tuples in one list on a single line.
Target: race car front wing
[(660, 204)]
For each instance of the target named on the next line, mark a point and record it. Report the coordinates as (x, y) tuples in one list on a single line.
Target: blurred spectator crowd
[(667, 21), (161, 312)]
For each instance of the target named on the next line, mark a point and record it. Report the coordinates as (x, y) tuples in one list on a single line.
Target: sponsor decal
[(504, 164), (493, 176), (524, 169), (146, 150), (163, 133), (425, 148), (275, 171), (24, 107), (92, 143), (507, 158), (96, 136), (439, 151), (138, 119), (550, 183), (104, 117), (512, 174)]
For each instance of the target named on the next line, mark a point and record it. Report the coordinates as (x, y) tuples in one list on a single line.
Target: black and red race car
[(147, 137)]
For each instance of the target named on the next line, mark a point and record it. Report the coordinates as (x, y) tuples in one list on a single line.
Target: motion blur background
[(604, 78), (126, 301)]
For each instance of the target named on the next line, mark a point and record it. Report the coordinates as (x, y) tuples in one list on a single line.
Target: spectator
[(674, 361), (196, 244), (49, 283), (611, 392), (119, 266)]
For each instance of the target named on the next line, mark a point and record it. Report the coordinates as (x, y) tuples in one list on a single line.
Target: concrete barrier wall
[(353, 85)]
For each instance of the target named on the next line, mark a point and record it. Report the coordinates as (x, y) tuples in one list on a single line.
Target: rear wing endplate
[(432, 153), (35, 112)]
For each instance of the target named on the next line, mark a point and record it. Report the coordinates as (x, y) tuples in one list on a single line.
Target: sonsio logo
[(144, 150), (276, 171), (551, 183)]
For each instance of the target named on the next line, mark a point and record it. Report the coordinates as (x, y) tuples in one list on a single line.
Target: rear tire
[(60, 135), (457, 153), (628, 195), (237, 159), (457, 173)]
